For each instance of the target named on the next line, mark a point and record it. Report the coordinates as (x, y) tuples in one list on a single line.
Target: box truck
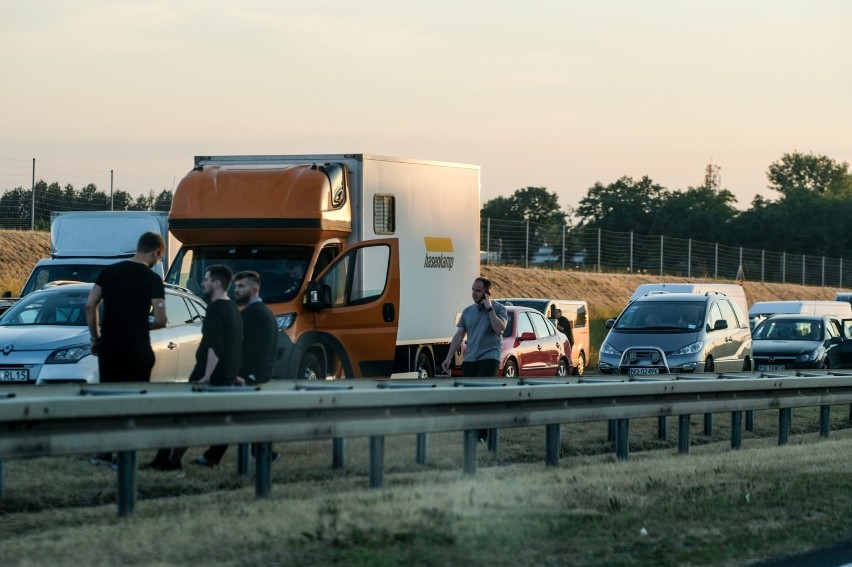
[(365, 261), (83, 242)]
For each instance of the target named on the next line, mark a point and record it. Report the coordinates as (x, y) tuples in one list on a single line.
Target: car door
[(356, 303), (527, 351), (846, 345), (175, 344), (548, 345)]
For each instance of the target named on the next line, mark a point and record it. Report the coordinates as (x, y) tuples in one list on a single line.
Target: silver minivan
[(667, 333)]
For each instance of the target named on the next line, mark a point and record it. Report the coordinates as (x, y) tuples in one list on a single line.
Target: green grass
[(712, 507)]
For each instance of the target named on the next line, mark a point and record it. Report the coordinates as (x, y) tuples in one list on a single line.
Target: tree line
[(17, 207), (814, 199)]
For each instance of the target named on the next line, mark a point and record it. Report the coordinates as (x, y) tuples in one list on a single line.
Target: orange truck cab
[(365, 261)]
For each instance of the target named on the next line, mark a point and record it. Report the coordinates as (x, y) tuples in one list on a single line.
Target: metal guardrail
[(65, 420)]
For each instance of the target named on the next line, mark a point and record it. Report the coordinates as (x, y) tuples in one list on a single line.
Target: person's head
[(246, 286), (152, 247), (216, 280), (480, 288), (297, 271), (557, 313)]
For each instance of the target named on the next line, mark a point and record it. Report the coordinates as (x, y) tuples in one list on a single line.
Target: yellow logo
[(438, 246)]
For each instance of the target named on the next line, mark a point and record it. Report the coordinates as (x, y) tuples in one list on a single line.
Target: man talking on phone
[(483, 323)]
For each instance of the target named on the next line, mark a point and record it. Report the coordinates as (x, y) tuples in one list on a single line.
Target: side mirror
[(527, 336), (720, 324), (318, 296), (610, 323)]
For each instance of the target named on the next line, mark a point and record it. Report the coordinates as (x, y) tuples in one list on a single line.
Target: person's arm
[(159, 308), (92, 303), (454, 346), (212, 361), (498, 322)]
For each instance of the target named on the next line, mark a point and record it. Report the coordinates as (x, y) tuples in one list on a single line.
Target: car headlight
[(285, 321), (69, 354), (606, 348), (694, 348), (809, 356)]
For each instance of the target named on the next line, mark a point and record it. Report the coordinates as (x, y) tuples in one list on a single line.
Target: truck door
[(356, 300)]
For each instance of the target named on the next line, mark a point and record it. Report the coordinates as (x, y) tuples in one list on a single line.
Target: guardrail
[(66, 420)]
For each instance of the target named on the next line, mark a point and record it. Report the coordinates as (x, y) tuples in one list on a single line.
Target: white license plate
[(14, 375), (770, 367), (643, 371)]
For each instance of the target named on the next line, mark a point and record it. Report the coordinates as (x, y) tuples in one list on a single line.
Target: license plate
[(14, 375), (770, 367), (643, 371)]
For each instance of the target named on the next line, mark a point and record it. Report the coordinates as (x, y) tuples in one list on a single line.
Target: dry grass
[(20, 251)]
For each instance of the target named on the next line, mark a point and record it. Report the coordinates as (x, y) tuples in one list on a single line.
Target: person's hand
[(204, 380), (486, 301), (446, 365), (239, 381), (94, 347)]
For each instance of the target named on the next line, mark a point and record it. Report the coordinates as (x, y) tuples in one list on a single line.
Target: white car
[(44, 337)]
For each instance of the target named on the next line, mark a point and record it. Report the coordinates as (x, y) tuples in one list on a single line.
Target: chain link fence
[(525, 244)]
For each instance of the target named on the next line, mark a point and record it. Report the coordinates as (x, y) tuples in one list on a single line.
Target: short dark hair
[(486, 283), (150, 242), (248, 275), (221, 273)]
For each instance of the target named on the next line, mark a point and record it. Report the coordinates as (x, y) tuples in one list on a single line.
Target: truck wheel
[(562, 369), (580, 369), (311, 367), (424, 366), (511, 369)]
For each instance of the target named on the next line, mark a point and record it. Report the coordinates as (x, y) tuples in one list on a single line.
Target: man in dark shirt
[(260, 331), (130, 291)]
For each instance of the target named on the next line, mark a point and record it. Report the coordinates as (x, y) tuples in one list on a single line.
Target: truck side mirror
[(319, 296)]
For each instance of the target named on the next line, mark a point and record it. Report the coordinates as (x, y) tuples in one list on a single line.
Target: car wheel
[(511, 369), (747, 364), (708, 364), (562, 369), (311, 367), (580, 369), (424, 366)]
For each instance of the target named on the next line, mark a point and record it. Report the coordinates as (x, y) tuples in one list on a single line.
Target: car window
[(510, 324), (714, 315), (541, 325), (834, 329), (728, 313), (197, 308), (524, 324), (177, 311)]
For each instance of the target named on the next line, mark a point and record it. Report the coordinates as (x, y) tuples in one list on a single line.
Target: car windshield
[(788, 330), (662, 316), (60, 307)]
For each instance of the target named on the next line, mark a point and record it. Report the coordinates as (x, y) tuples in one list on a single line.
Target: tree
[(625, 205), (536, 205), (698, 212), (817, 174)]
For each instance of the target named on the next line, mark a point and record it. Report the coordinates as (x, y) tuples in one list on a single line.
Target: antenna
[(712, 177)]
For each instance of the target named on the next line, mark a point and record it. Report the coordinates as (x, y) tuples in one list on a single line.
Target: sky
[(557, 94)]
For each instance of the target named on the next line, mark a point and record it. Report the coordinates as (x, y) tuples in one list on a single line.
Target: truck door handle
[(172, 345), (388, 312)]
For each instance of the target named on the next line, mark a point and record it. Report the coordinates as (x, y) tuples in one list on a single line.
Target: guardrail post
[(783, 425), (850, 413), (622, 444), (125, 488), (2, 478), (469, 443), (662, 427), (683, 434), (708, 424), (824, 414), (749, 420), (262, 469), (243, 455), (421, 450), (552, 442), (377, 460), (338, 453), (736, 429)]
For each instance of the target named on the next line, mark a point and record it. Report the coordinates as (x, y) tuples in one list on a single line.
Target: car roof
[(799, 317), (665, 296)]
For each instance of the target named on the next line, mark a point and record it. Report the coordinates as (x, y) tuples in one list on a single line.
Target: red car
[(531, 346)]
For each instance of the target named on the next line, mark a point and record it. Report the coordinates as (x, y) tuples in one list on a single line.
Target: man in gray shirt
[(483, 323)]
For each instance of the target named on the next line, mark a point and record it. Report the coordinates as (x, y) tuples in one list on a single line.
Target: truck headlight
[(606, 348), (694, 348), (285, 321), (69, 355)]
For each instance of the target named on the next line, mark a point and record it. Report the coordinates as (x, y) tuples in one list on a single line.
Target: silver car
[(677, 333), (44, 337)]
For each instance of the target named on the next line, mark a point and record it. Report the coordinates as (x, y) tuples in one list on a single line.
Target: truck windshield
[(281, 268)]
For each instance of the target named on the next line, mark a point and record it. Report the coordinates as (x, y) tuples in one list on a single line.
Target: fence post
[(716, 262), (783, 267), (564, 229), (762, 263), (661, 254), (803, 269), (488, 241), (823, 271), (631, 252), (599, 250), (32, 200), (840, 274), (111, 199), (689, 258), (741, 262), (527, 247)]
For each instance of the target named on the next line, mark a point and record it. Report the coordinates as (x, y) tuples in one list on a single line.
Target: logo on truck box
[(439, 252)]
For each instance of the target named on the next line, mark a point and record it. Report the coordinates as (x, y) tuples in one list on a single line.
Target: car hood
[(41, 337), (773, 346), (668, 341)]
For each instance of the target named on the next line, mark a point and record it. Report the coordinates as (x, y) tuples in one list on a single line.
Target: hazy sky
[(558, 94)]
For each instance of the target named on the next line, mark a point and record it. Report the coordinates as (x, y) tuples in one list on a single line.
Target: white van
[(763, 309), (734, 291)]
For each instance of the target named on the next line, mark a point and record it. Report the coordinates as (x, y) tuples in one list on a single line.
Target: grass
[(712, 507)]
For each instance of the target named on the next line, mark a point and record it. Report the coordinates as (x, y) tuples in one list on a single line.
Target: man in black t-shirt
[(129, 290), (260, 331)]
